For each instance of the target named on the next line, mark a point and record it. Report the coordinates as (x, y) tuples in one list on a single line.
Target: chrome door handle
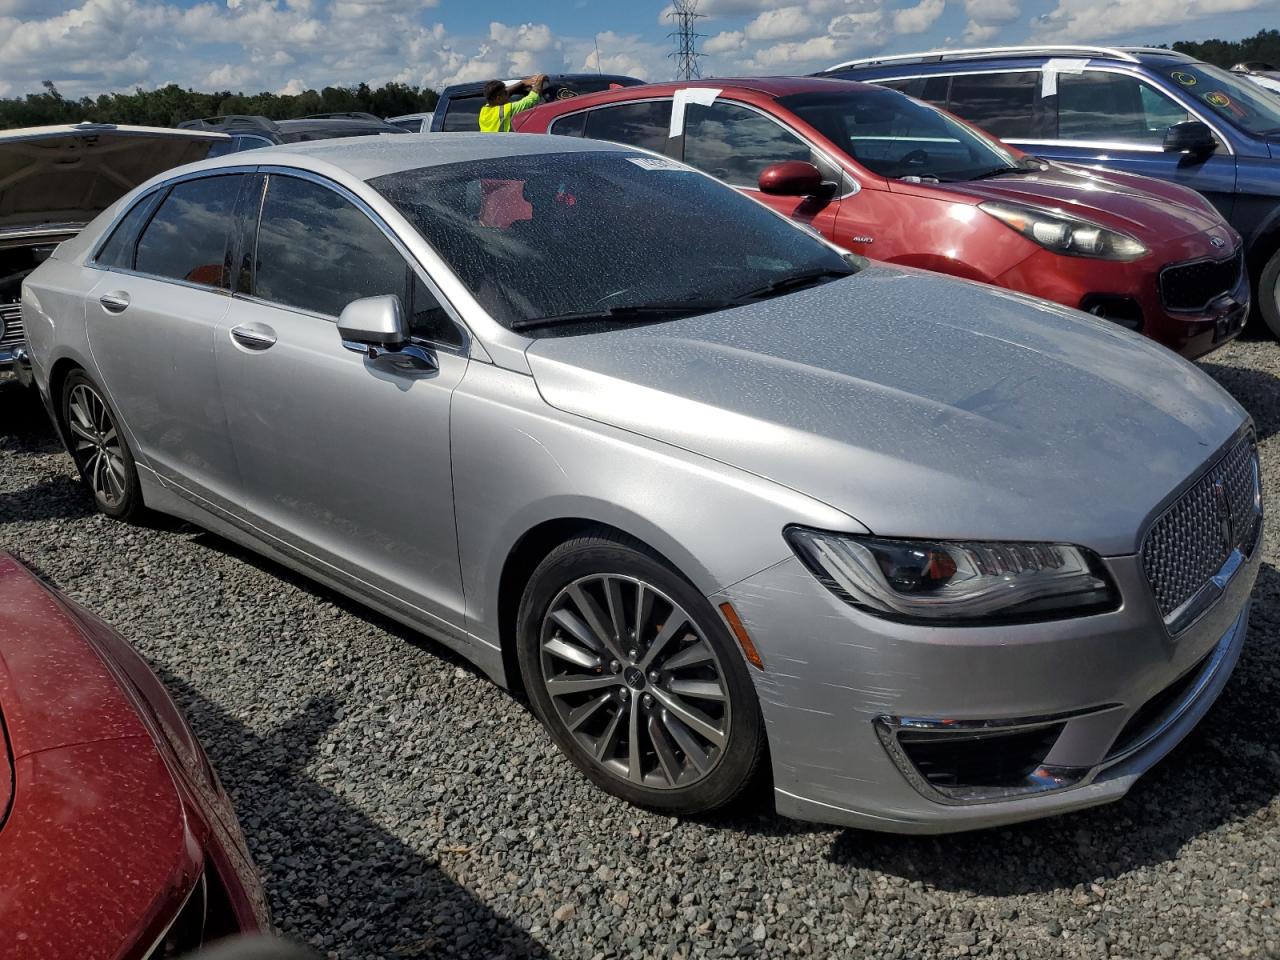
[(115, 302), (255, 336)]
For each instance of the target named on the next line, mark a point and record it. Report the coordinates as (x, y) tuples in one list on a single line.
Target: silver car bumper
[(1112, 694)]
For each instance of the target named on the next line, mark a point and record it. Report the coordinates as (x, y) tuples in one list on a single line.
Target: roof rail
[(941, 56), (1163, 51), (342, 115), (232, 121)]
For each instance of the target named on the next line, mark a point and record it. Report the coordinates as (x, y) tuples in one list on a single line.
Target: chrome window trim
[(410, 260), (1111, 145)]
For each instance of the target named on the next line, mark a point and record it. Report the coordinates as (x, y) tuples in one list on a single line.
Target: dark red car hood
[(1144, 208)]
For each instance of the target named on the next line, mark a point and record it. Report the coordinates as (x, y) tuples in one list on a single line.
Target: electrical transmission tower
[(684, 14)]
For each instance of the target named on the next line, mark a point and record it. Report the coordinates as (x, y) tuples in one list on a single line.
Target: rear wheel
[(1269, 294), (99, 449), (636, 678)]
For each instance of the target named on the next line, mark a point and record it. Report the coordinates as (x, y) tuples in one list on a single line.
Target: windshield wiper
[(638, 311), (1001, 171), (795, 281)]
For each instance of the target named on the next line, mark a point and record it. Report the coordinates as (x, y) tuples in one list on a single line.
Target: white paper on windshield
[(703, 96), (1054, 66), (655, 163)]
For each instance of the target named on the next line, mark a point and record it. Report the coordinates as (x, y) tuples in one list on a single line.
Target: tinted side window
[(318, 252), (645, 125), (1110, 106), (735, 144), (1000, 103), (118, 250), (574, 125), (187, 238), (463, 114)]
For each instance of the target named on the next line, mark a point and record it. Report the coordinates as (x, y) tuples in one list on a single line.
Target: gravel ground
[(399, 805)]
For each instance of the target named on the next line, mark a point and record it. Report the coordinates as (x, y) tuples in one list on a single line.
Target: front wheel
[(1269, 294), (99, 449), (636, 678)]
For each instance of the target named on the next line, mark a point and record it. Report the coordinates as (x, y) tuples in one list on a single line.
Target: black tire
[(606, 557), (1269, 294), (106, 468)]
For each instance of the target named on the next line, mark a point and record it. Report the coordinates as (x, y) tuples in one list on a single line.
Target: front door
[(1118, 121), (153, 319), (734, 143), (343, 460)]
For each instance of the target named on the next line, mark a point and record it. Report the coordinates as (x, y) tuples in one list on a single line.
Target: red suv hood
[(1140, 206)]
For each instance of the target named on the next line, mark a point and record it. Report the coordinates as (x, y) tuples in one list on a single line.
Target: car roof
[(939, 61), (477, 86), (335, 124), (772, 87), (365, 158)]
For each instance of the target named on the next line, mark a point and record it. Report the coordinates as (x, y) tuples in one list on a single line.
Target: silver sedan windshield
[(601, 236)]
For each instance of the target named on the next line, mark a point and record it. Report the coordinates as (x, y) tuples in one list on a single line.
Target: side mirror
[(374, 322), (794, 178), (1192, 137)]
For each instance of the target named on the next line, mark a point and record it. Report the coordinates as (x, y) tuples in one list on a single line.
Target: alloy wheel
[(97, 447), (635, 681)]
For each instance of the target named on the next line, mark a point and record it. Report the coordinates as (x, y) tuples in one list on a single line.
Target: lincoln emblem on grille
[(1222, 508)]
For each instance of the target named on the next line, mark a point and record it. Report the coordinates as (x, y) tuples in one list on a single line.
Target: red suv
[(897, 180)]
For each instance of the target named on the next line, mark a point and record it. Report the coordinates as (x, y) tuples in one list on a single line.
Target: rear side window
[(118, 251), (574, 125), (646, 125), (317, 251), (188, 237), (1095, 105), (734, 144), (463, 114), (1002, 104)]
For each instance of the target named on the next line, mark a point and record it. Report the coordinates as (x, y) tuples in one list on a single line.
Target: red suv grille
[(1193, 286)]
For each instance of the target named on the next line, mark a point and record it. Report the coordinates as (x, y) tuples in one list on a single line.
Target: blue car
[(1139, 110)]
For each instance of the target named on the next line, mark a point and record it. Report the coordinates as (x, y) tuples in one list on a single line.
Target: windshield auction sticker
[(655, 163), (1186, 79), (1218, 99)]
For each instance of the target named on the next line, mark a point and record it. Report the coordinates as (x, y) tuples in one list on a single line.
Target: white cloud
[(975, 32), (919, 18), (992, 11), (779, 24), (726, 41), (1098, 19)]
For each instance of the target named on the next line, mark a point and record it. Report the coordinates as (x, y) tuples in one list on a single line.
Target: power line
[(684, 14)]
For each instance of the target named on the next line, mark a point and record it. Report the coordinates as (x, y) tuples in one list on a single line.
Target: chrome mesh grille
[(10, 325), (1191, 540)]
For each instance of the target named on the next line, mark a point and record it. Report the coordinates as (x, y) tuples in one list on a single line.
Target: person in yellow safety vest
[(496, 114)]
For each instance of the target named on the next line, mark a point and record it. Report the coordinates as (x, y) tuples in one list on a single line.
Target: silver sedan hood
[(919, 405)]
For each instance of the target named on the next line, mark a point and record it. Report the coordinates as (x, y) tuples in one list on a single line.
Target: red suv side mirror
[(794, 178)]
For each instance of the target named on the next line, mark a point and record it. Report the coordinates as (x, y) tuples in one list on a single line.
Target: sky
[(286, 46)]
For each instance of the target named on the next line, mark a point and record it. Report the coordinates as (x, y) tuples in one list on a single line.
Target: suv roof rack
[(342, 115), (941, 56), (1162, 51), (231, 121)]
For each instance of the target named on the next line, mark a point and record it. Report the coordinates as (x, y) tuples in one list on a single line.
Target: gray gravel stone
[(401, 806)]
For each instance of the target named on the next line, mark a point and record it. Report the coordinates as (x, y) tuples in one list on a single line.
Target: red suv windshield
[(894, 136)]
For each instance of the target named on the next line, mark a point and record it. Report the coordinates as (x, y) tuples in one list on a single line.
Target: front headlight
[(1066, 234), (917, 580)]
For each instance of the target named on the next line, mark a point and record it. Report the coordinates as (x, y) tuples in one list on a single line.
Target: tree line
[(170, 105), (1263, 45)]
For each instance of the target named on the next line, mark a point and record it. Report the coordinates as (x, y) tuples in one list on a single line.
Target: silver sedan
[(728, 504)]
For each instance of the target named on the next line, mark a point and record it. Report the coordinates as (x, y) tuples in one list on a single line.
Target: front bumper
[(1106, 286), (832, 673)]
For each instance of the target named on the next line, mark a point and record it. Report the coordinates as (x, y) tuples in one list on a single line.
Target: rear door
[(735, 143), (345, 461), (153, 317)]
